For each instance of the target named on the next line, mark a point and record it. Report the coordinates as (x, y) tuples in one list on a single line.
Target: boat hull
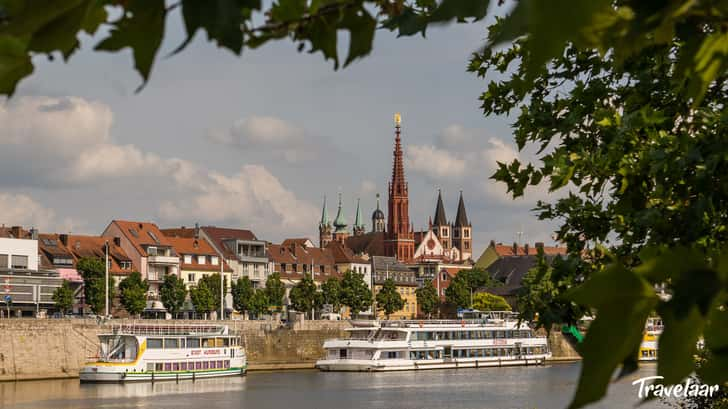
[(88, 375), (352, 365)]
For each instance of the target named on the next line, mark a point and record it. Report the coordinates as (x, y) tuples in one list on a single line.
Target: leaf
[(61, 33), (710, 61), (677, 344), (361, 26), (15, 63), (26, 17), (623, 301), (141, 28), (716, 328), (221, 19), (460, 10)]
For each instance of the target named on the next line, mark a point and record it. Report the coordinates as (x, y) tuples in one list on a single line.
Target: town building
[(240, 249), (151, 254), (198, 259), (405, 280)]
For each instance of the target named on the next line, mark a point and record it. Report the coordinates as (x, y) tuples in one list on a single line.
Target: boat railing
[(142, 329), (429, 323)]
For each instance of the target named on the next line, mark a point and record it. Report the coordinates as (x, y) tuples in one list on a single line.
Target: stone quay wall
[(58, 348)]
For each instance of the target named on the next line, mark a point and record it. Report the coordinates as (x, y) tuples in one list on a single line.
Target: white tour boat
[(497, 339), (166, 352), (650, 338)]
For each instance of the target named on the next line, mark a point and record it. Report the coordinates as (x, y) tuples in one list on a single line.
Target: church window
[(467, 245), (466, 233)]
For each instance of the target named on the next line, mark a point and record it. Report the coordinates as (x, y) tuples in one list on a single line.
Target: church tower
[(359, 227), (340, 232), (378, 222), (462, 232), (440, 225), (399, 241), (325, 235)]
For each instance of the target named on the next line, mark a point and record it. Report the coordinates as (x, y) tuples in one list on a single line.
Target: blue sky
[(256, 142)]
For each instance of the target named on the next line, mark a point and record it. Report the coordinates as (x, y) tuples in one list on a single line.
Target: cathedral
[(393, 235)]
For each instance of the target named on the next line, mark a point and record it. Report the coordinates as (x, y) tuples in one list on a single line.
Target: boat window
[(167, 366), (206, 365), (488, 334), (342, 354), (154, 343), (175, 366), (392, 355), (193, 342), (198, 365), (208, 342), (150, 367), (218, 342), (227, 364), (183, 366), (170, 343), (226, 342), (159, 366)]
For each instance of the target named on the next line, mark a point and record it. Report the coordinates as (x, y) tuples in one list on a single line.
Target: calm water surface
[(545, 387)]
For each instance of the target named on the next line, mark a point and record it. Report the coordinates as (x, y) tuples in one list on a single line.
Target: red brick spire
[(400, 237)]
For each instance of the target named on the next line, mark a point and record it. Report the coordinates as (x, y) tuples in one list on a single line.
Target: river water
[(546, 387)]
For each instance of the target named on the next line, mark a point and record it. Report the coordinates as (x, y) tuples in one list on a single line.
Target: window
[(201, 259), (175, 366), (62, 261), (126, 265), (283, 267), (466, 233), (153, 236), (467, 245), (19, 262), (191, 277), (167, 366), (198, 365), (171, 343), (214, 260), (159, 366), (206, 365), (154, 343), (392, 354), (152, 251), (183, 366), (188, 259), (133, 232), (193, 342), (3, 260)]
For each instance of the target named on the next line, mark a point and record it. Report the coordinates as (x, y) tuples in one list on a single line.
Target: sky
[(257, 141)]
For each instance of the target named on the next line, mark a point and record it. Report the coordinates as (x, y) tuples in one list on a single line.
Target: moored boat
[(496, 339), (650, 338), (132, 353)]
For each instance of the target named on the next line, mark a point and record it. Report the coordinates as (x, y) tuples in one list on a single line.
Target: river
[(545, 387)]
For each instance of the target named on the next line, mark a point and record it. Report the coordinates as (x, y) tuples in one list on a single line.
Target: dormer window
[(214, 260), (188, 259), (201, 260)]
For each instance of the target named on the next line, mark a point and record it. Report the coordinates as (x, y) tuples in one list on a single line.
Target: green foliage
[(458, 292), (388, 298), (719, 400), (304, 295), (133, 293), (212, 282), (63, 297), (259, 302), (642, 151), (331, 293), (242, 294), (427, 298), (92, 270), (275, 290), (173, 293), (490, 302), (203, 298), (355, 292)]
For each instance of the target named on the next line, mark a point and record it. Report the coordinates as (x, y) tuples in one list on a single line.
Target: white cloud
[(438, 164), (269, 134), (22, 210)]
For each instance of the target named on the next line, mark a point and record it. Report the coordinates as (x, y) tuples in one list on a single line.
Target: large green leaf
[(15, 63), (60, 34), (222, 19), (623, 300), (361, 26), (677, 344), (141, 28), (460, 10)]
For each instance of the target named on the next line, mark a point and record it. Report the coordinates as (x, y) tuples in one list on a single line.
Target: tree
[(303, 295), (259, 302), (331, 293), (173, 294), (242, 294), (427, 298), (63, 297), (458, 292), (638, 139), (133, 293), (388, 298), (490, 302), (92, 270), (202, 298), (355, 293), (275, 290), (212, 282)]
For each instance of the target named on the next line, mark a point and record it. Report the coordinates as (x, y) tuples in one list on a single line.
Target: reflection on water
[(499, 388)]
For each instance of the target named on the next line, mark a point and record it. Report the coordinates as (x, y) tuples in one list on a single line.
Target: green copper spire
[(324, 215), (340, 222), (358, 221)]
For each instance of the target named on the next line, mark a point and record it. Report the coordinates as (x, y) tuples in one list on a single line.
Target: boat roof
[(168, 330), (405, 325)]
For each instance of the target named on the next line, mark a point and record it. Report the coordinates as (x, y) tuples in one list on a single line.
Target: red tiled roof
[(142, 234), (299, 241), (196, 247), (505, 250), (219, 234), (371, 243), (93, 246)]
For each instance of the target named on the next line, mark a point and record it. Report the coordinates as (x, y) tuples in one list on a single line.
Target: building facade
[(405, 280)]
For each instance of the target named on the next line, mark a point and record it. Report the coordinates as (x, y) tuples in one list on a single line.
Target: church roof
[(324, 215), (369, 243), (378, 213), (340, 222), (358, 222), (461, 219), (440, 218)]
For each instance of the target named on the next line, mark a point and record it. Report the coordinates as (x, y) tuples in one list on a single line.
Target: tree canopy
[(331, 293), (203, 298), (388, 298), (259, 303), (490, 302), (242, 291), (275, 290), (133, 293), (355, 292), (304, 295), (92, 270), (173, 293), (212, 282), (458, 292), (63, 297), (427, 298)]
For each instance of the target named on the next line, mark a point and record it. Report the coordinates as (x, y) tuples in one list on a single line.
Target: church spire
[(461, 219), (440, 218), (399, 240), (324, 215), (359, 227), (340, 222)]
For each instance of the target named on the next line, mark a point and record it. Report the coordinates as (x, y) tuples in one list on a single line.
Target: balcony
[(165, 260)]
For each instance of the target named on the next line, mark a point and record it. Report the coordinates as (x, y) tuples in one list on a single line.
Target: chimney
[(515, 248), (525, 248), (16, 231), (64, 239), (492, 244), (141, 226), (33, 233), (117, 241), (197, 230)]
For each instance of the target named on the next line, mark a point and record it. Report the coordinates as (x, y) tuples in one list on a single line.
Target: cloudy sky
[(255, 142)]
